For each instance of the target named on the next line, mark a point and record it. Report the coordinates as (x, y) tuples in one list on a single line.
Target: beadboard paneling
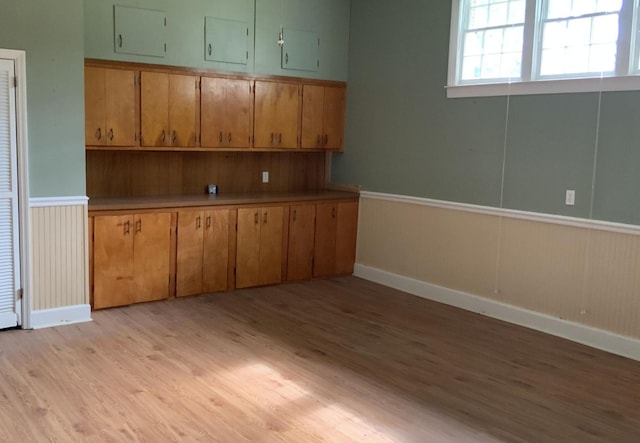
[(612, 283), (541, 267), (588, 276), (59, 239), (440, 246)]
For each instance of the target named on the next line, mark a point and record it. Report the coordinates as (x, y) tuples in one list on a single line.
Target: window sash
[(627, 57)]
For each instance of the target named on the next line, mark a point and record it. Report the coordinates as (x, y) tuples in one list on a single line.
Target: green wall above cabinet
[(187, 44)]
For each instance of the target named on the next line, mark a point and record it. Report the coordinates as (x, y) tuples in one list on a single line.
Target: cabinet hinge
[(165, 21), (15, 82), (165, 47), (247, 55), (247, 32)]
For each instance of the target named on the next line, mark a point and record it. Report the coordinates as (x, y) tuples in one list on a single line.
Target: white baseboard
[(60, 316), (586, 335)]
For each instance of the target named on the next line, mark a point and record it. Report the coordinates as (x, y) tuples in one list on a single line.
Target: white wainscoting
[(578, 279), (60, 278)]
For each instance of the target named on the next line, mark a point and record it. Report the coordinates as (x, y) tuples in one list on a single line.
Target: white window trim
[(526, 86)]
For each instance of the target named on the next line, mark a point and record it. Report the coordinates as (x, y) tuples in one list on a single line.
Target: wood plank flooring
[(337, 360)]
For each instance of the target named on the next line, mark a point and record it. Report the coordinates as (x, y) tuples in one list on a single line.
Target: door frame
[(24, 217)]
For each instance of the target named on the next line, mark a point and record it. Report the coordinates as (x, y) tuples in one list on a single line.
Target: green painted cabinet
[(294, 27), (226, 41), (139, 31)]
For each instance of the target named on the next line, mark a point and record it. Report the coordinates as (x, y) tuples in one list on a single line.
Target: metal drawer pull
[(256, 218), (126, 228), (266, 219), (111, 134), (99, 134), (139, 226), (198, 223), (208, 222)]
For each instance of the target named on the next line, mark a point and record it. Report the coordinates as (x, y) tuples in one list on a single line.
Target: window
[(543, 46)]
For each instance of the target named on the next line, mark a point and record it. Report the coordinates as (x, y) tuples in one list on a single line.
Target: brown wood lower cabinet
[(302, 219), (335, 238), (135, 257), (202, 251), (131, 258), (259, 246)]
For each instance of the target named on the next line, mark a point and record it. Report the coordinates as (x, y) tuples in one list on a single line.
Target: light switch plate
[(570, 197), (265, 176)]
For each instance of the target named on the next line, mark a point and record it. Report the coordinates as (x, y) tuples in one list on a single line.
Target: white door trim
[(20, 59)]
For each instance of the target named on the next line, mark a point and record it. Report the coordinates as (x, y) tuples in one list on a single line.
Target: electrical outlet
[(265, 176), (570, 197)]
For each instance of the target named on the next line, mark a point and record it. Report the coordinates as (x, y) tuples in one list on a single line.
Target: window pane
[(517, 11), (576, 8), (479, 17), (493, 40), (498, 14), (580, 37)]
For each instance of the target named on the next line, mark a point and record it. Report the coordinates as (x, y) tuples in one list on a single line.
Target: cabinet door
[(239, 113), (151, 253), (271, 245), (95, 105), (301, 239), (184, 105), (216, 250), (213, 112), (346, 235), (113, 274), (226, 107), (248, 248), (277, 108), (333, 118), (120, 107), (312, 117), (189, 253), (154, 109), (325, 239)]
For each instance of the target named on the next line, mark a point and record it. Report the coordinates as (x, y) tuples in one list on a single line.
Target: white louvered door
[(9, 234)]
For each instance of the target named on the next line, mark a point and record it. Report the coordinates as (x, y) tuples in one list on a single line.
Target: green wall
[(405, 137), (51, 33)]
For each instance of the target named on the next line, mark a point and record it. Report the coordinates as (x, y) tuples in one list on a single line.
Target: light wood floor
[(332, 360)]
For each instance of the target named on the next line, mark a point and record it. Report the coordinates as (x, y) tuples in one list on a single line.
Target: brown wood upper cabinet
[(226, 110), (323, 110), (335, 238), (169, 109), (110, 107), (259, 246), (202, 251), (277, 115), (131, 259)]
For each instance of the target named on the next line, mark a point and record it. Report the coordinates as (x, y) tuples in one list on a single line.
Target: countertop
[(223, 199)]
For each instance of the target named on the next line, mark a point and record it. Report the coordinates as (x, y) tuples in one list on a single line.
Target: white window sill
[(568, 86)]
